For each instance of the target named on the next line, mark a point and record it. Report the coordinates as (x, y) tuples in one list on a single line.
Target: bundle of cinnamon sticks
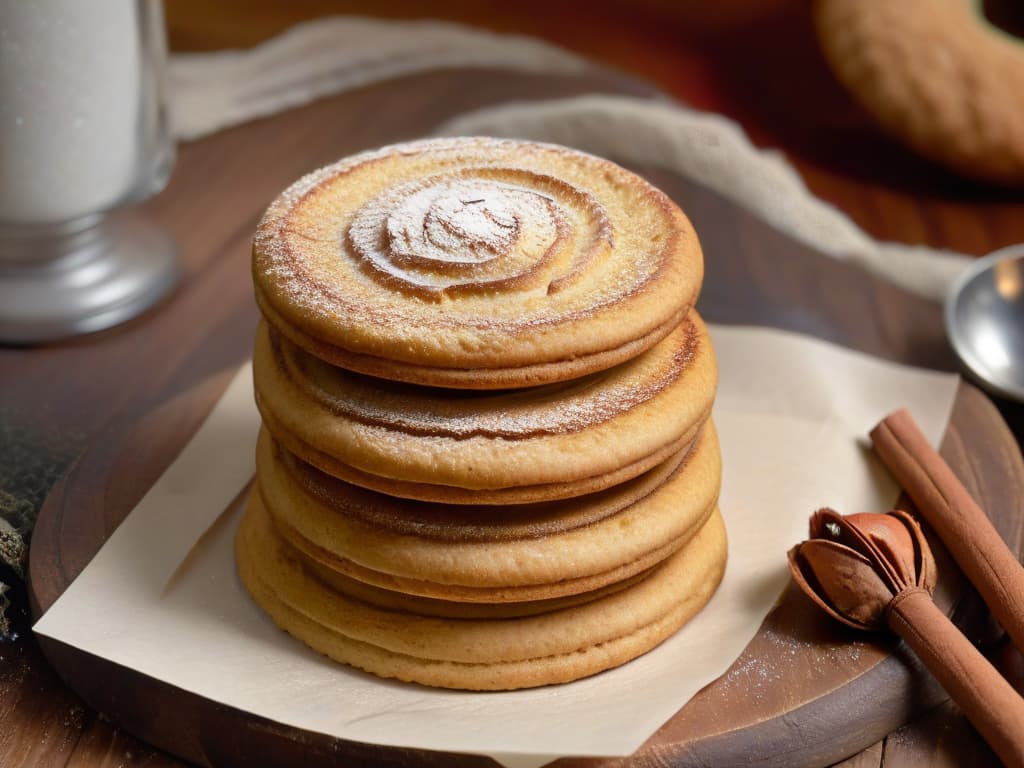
[(874, 571)]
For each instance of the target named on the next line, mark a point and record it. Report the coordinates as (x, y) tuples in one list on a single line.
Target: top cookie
[(475, 263)]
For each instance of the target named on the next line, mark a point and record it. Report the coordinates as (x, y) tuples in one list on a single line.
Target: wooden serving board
[(805, 692)]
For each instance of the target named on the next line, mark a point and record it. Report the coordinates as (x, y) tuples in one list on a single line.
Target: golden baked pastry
[(517, 446), (475, 263), (488, 554), (421, 641), (487, 459), (936, 75)]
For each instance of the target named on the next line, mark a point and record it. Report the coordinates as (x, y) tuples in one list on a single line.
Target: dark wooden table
[(56, 399)]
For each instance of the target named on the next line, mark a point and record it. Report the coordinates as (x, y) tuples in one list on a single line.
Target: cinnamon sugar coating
[(475, 263), (561, 439), (487, 459)]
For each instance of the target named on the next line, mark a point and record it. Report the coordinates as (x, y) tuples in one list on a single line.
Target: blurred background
[(757, 61), (767, 64)]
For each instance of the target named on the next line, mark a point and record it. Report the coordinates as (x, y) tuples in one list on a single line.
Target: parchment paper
[(792, 414)]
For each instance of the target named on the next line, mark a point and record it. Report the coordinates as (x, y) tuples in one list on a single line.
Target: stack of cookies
[(487, 460)]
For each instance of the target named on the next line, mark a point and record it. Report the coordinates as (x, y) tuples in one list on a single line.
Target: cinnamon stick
[(964, 528), (991, 704)]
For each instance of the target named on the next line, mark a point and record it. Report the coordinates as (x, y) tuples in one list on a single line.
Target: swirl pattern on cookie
[(547, 442), (476, 554), (475, 263)]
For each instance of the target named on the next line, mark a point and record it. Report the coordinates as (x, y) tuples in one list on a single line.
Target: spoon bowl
[(984, 315)]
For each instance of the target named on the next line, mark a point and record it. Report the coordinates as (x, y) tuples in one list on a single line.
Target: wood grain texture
[(743, 65), (754, 275), (805, 692)]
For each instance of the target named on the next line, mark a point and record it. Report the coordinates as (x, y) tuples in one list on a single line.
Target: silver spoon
[(985, 320)]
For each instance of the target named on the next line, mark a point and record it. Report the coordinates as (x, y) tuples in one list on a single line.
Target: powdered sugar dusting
[(473, 221), (554, 409), (787, 656), (467, 232), (467, 253)]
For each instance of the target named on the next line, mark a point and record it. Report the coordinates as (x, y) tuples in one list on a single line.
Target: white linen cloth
[(210, 91)]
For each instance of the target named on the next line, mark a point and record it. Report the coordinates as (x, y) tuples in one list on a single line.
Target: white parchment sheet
[(792, 415)]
